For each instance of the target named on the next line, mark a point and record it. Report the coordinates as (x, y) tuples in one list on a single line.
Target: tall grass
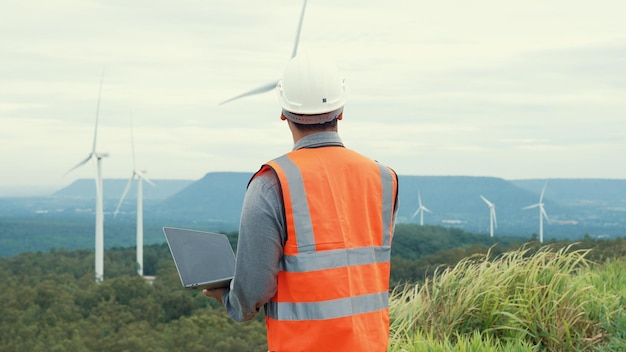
[(610, 280), (551, 300)]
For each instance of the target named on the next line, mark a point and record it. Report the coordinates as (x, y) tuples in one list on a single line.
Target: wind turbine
[(269, 86), (542, 212), (140, 176), (420, 209), (99, 250), (492, 215)]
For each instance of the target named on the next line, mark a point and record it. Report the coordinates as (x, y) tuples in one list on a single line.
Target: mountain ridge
[(65, 219), (572, 204)]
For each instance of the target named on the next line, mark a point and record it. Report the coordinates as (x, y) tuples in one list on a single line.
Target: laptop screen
[(203, 259)]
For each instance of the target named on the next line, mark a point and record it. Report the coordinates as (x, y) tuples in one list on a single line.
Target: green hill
[(49, 301)]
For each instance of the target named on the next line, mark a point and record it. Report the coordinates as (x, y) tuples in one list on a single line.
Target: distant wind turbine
[(99, 250), (492, 215), (420, 209), (140, 175), (269, 86), (542, 212)]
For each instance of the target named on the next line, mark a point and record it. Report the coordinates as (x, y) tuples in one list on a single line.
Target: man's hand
[(214, 292)]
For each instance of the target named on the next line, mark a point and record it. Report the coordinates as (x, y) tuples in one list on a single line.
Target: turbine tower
[(542, 212), (99, 245), (420, 209), (140, 176), (492, 215), (269, 86)]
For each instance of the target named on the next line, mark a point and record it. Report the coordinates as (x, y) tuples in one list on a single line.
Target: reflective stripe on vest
[(338, 308), (335, 258)]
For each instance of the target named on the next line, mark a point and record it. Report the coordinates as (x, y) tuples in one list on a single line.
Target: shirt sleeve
[(259, 248)]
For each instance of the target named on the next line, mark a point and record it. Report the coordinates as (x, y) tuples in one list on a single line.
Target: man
[(316, 227)]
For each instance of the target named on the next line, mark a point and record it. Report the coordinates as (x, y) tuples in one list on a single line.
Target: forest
[(50, 301)]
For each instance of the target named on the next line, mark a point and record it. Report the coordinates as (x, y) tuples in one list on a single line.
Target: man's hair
[(327, 126)]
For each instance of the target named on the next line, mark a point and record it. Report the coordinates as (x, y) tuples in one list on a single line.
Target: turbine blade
[(545, 215), (258, 90), (543, 191), (272, 85), (143, 176), (426, 209), (486, 201), (295, 46), (495, 221), (531, 206), (80, 164), (128, 184), (95, 133), (415, 214)]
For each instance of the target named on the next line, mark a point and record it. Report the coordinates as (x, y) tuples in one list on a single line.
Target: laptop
[(203, 259)]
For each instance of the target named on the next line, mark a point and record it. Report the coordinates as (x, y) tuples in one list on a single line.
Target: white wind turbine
[(492, 215), (542, 212), (99, 250), (140, 176), (269, 86), (420, 209)]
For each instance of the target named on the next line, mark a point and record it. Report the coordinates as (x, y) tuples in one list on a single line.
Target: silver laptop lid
[(203, 259)]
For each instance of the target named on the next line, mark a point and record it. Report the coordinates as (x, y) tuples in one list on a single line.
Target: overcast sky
[(526, 89)]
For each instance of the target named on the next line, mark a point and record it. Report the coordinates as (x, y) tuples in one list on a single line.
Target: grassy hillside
[(552, 300)]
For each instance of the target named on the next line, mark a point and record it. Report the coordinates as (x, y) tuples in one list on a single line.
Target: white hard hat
[(311, 90)]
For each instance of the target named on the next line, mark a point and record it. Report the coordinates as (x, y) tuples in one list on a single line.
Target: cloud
[(491, 88)]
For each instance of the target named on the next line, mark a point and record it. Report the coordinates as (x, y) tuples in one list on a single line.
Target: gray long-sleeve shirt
[(262, 235)]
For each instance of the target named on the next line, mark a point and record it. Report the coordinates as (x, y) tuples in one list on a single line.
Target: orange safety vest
[(333, 282)]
